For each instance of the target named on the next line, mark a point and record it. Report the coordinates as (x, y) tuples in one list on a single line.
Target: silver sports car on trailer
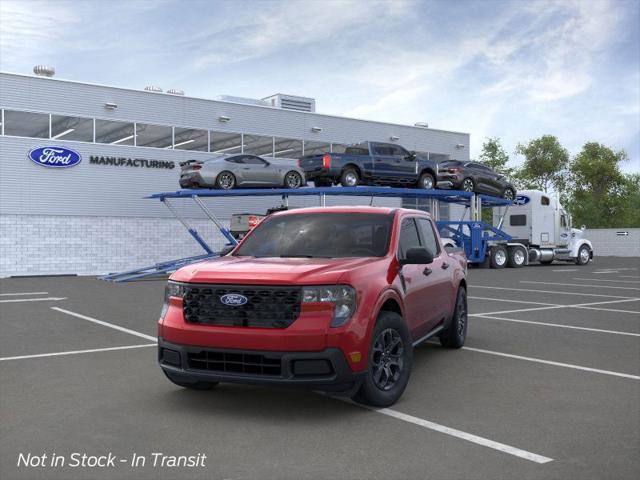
[(231, 171)]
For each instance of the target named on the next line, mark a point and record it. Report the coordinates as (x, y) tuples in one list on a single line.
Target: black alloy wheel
[(226, 180), (293, 179), (387, 359), (456, 333)]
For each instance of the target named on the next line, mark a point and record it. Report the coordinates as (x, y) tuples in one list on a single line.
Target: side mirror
[(583, 227), (417, 256), (226, 250), (411, 156)]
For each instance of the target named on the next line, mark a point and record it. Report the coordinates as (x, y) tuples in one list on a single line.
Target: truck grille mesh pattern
[(266, 306), (235, 362)]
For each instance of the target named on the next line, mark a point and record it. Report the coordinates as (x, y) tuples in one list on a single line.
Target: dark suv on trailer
[(475, 177)]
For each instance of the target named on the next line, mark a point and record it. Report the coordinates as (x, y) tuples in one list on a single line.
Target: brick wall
[(44, 245)]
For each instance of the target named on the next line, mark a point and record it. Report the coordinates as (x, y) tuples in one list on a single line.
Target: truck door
[(391, 163), (564, 232), (421, 307), (442, 292)]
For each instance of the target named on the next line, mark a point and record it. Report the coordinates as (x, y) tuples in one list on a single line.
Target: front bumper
[(325, 370), (449, 180)]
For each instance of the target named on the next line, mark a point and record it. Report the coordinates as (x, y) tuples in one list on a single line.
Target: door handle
[(427, 271), (247, 168), (445, 266)]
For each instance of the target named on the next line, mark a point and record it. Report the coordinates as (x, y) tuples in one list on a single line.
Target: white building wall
[(613, 242)]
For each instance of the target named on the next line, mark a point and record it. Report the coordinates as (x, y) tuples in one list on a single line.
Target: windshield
[(320, 235)]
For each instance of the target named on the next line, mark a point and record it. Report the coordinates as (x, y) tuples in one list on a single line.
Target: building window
[(258, 145), (287, 148), (191, 139), (156, 136), (26, 124), (227, 143), (316, 148), (71, 128), (115, 133)]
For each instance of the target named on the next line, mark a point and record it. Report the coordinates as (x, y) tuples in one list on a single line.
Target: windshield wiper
[(303, 256)]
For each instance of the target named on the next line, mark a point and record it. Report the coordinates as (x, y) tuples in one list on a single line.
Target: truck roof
[(349, 209)]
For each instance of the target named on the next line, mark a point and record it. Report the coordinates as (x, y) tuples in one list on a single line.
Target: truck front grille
[(232, 362), (265, 306)]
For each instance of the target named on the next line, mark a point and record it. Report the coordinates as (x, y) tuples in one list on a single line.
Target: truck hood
[(285, 271)]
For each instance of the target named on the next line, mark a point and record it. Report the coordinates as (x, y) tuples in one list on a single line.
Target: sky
[(514, 69)]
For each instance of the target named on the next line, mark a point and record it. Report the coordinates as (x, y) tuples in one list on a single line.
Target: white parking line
[(106, 324), (566, 270), (610, 310), (485, 442), (581, 285), (545, 324), (628, 276), (577, 305), (556, 364), (47, 299), (75, 352), (604, 280), (22, 293), (549, 291), (511, 301)]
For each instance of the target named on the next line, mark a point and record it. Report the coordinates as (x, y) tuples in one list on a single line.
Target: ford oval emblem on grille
[(233, 299)]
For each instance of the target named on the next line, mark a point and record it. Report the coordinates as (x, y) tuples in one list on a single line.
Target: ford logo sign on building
[(55, 157), (233, 299)]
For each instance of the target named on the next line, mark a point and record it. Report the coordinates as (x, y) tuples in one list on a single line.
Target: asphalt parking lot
[(548, 386)]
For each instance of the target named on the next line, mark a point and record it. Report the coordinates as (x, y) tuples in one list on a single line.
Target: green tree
[(545, 164), (494, 156), (599, 194)]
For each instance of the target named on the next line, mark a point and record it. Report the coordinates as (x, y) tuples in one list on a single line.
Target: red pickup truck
[(332, 298)]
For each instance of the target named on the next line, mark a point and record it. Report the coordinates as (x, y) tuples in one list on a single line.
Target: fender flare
[(580, 243)]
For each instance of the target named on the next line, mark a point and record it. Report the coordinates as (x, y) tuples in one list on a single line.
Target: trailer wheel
[(498, 256), (584, 255), (517, 257)]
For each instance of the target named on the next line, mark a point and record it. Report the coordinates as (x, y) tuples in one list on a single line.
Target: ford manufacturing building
[(92, 218)]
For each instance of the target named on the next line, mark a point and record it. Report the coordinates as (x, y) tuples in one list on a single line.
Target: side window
[(429, 239), (544, 201), (563, 221), (398, 151), (409, 237), (382, 150), (517, 220), (238, 159), (253, 160)]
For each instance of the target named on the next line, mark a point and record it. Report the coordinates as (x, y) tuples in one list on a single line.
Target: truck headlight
[(343, 298), (172, 289)]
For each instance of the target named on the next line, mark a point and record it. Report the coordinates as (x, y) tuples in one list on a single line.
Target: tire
[(509, 194), (426, 182), (202, 386), (456, 333), (349, 178), (517, 257), (225, 180), (584, 255), (387, 372), (293, 180), (498, 257), (468, 185)]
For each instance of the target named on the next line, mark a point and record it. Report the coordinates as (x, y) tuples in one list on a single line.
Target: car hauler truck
[(540, 231)]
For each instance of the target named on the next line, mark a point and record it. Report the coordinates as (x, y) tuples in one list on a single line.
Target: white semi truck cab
[(541, 231)]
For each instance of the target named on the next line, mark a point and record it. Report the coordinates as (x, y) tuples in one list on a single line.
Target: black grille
[(235, 362), (266, 306)]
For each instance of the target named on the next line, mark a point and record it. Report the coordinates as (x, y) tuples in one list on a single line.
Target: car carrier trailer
[(483, 244)]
